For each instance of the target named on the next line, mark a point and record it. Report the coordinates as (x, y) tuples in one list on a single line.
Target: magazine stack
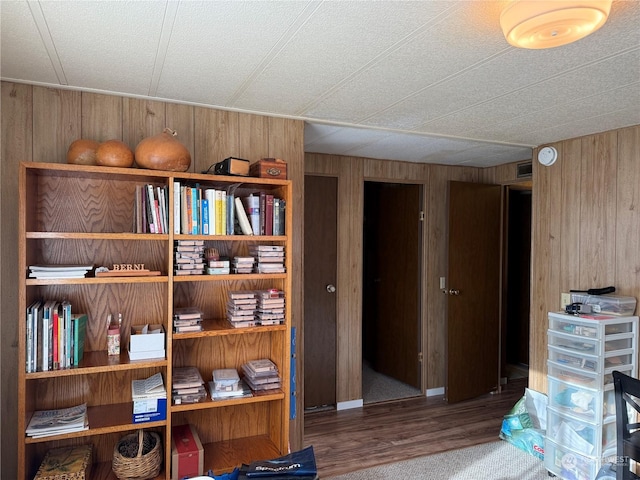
[(45, 423)]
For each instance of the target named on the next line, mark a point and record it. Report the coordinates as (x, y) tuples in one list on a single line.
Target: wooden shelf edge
[(220, 327), (96, 280), (208, 403), (223, 457)]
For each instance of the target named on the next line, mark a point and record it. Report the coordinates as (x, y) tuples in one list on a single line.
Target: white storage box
[(582, 402), (146, 342), (584, 437)]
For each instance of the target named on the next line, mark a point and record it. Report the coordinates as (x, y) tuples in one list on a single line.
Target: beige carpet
[(491, 461)]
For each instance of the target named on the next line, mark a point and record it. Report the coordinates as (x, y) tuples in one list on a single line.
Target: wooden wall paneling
[(180, 118), (255, 136), (286, 141), (141, 119), (349, 282), (56, 123), (540, 253), (216, 137), (101, 117), (568, 216), (394, 171), (16, 112), (598, 208), (321, 164), (627, 228)]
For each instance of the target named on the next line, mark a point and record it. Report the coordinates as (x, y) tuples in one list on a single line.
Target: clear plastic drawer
[(571, 358), (586, 404), (563, 462), (584, 437), (585, 379)]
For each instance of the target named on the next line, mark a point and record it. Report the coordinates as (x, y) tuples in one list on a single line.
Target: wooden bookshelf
[(71, 214)]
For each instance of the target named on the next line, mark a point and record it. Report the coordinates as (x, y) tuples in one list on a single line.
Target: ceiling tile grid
[(431, 82)]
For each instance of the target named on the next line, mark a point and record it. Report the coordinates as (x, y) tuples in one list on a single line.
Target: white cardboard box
[(146, 342)]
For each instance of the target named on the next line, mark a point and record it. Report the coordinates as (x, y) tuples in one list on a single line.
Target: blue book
[(204, 208)]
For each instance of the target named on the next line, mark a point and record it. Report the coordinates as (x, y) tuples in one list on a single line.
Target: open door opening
[(391, 291), (516, 284)]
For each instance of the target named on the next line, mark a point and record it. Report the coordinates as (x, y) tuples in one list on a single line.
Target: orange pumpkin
[(163, 152), (114, 153), (82, 152)]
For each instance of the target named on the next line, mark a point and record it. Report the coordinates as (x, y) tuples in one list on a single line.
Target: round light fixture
[(547, 156), (547, 23)]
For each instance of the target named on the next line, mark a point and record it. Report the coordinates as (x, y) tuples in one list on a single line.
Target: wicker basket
[(137, 456)]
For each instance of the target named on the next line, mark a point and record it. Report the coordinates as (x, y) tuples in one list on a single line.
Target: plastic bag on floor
[(525, 424)]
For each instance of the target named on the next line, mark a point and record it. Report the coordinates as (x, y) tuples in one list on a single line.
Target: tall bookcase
[(71, 214)]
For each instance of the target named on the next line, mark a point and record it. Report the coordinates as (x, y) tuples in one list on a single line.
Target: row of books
[(151, 209), (54, 336), (210, 211)]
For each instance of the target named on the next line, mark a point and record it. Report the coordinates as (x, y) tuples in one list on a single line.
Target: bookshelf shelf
[(76, 214)]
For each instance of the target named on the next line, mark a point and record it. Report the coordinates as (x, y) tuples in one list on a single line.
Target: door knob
[(331, 288), (453, 291)]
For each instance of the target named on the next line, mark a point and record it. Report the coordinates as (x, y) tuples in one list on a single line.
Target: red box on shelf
[(187, 454)]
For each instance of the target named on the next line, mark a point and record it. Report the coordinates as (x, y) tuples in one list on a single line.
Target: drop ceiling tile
[(339, 39), (108, 45), (24, 56), (216, 46)]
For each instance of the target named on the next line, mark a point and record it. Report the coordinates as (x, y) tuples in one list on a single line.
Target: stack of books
[(241, 308), (59, 271), (226, 383), (269, 258), (261, 374), (187, 386), (187, 319), (45, 423), (243, 264), (270, 309), (189, 257)]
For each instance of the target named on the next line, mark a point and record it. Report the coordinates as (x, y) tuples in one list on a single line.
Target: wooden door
[(474, 290), (320, 273), (392, 283)]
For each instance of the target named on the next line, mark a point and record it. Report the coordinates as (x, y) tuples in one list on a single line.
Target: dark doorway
[(392, 242), (517, 283)]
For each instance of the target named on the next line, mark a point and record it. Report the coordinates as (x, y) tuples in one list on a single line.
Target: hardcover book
[(67, 463)]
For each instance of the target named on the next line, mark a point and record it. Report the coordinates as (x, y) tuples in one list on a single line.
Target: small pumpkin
[(82, 152), (163, 152), (114, 153)]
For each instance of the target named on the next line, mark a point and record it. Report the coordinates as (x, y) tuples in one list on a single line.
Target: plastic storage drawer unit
[(585, 379), (566, 463)]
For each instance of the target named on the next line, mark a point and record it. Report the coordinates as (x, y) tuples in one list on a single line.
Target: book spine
[(151, 211), (230, 214), (176, 208), (243, 220), (205, 216), (263, 211), (268, 215), (218, 212), (210, 195), (29, 341), (56, 338), (223, 208)]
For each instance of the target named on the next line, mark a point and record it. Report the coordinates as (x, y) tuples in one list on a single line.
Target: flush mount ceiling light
[(547, 23)]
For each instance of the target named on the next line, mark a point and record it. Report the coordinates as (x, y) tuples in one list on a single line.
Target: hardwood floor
[(381, 433)]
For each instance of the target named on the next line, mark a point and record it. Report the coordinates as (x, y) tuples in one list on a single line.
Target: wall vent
[(525, 170)]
